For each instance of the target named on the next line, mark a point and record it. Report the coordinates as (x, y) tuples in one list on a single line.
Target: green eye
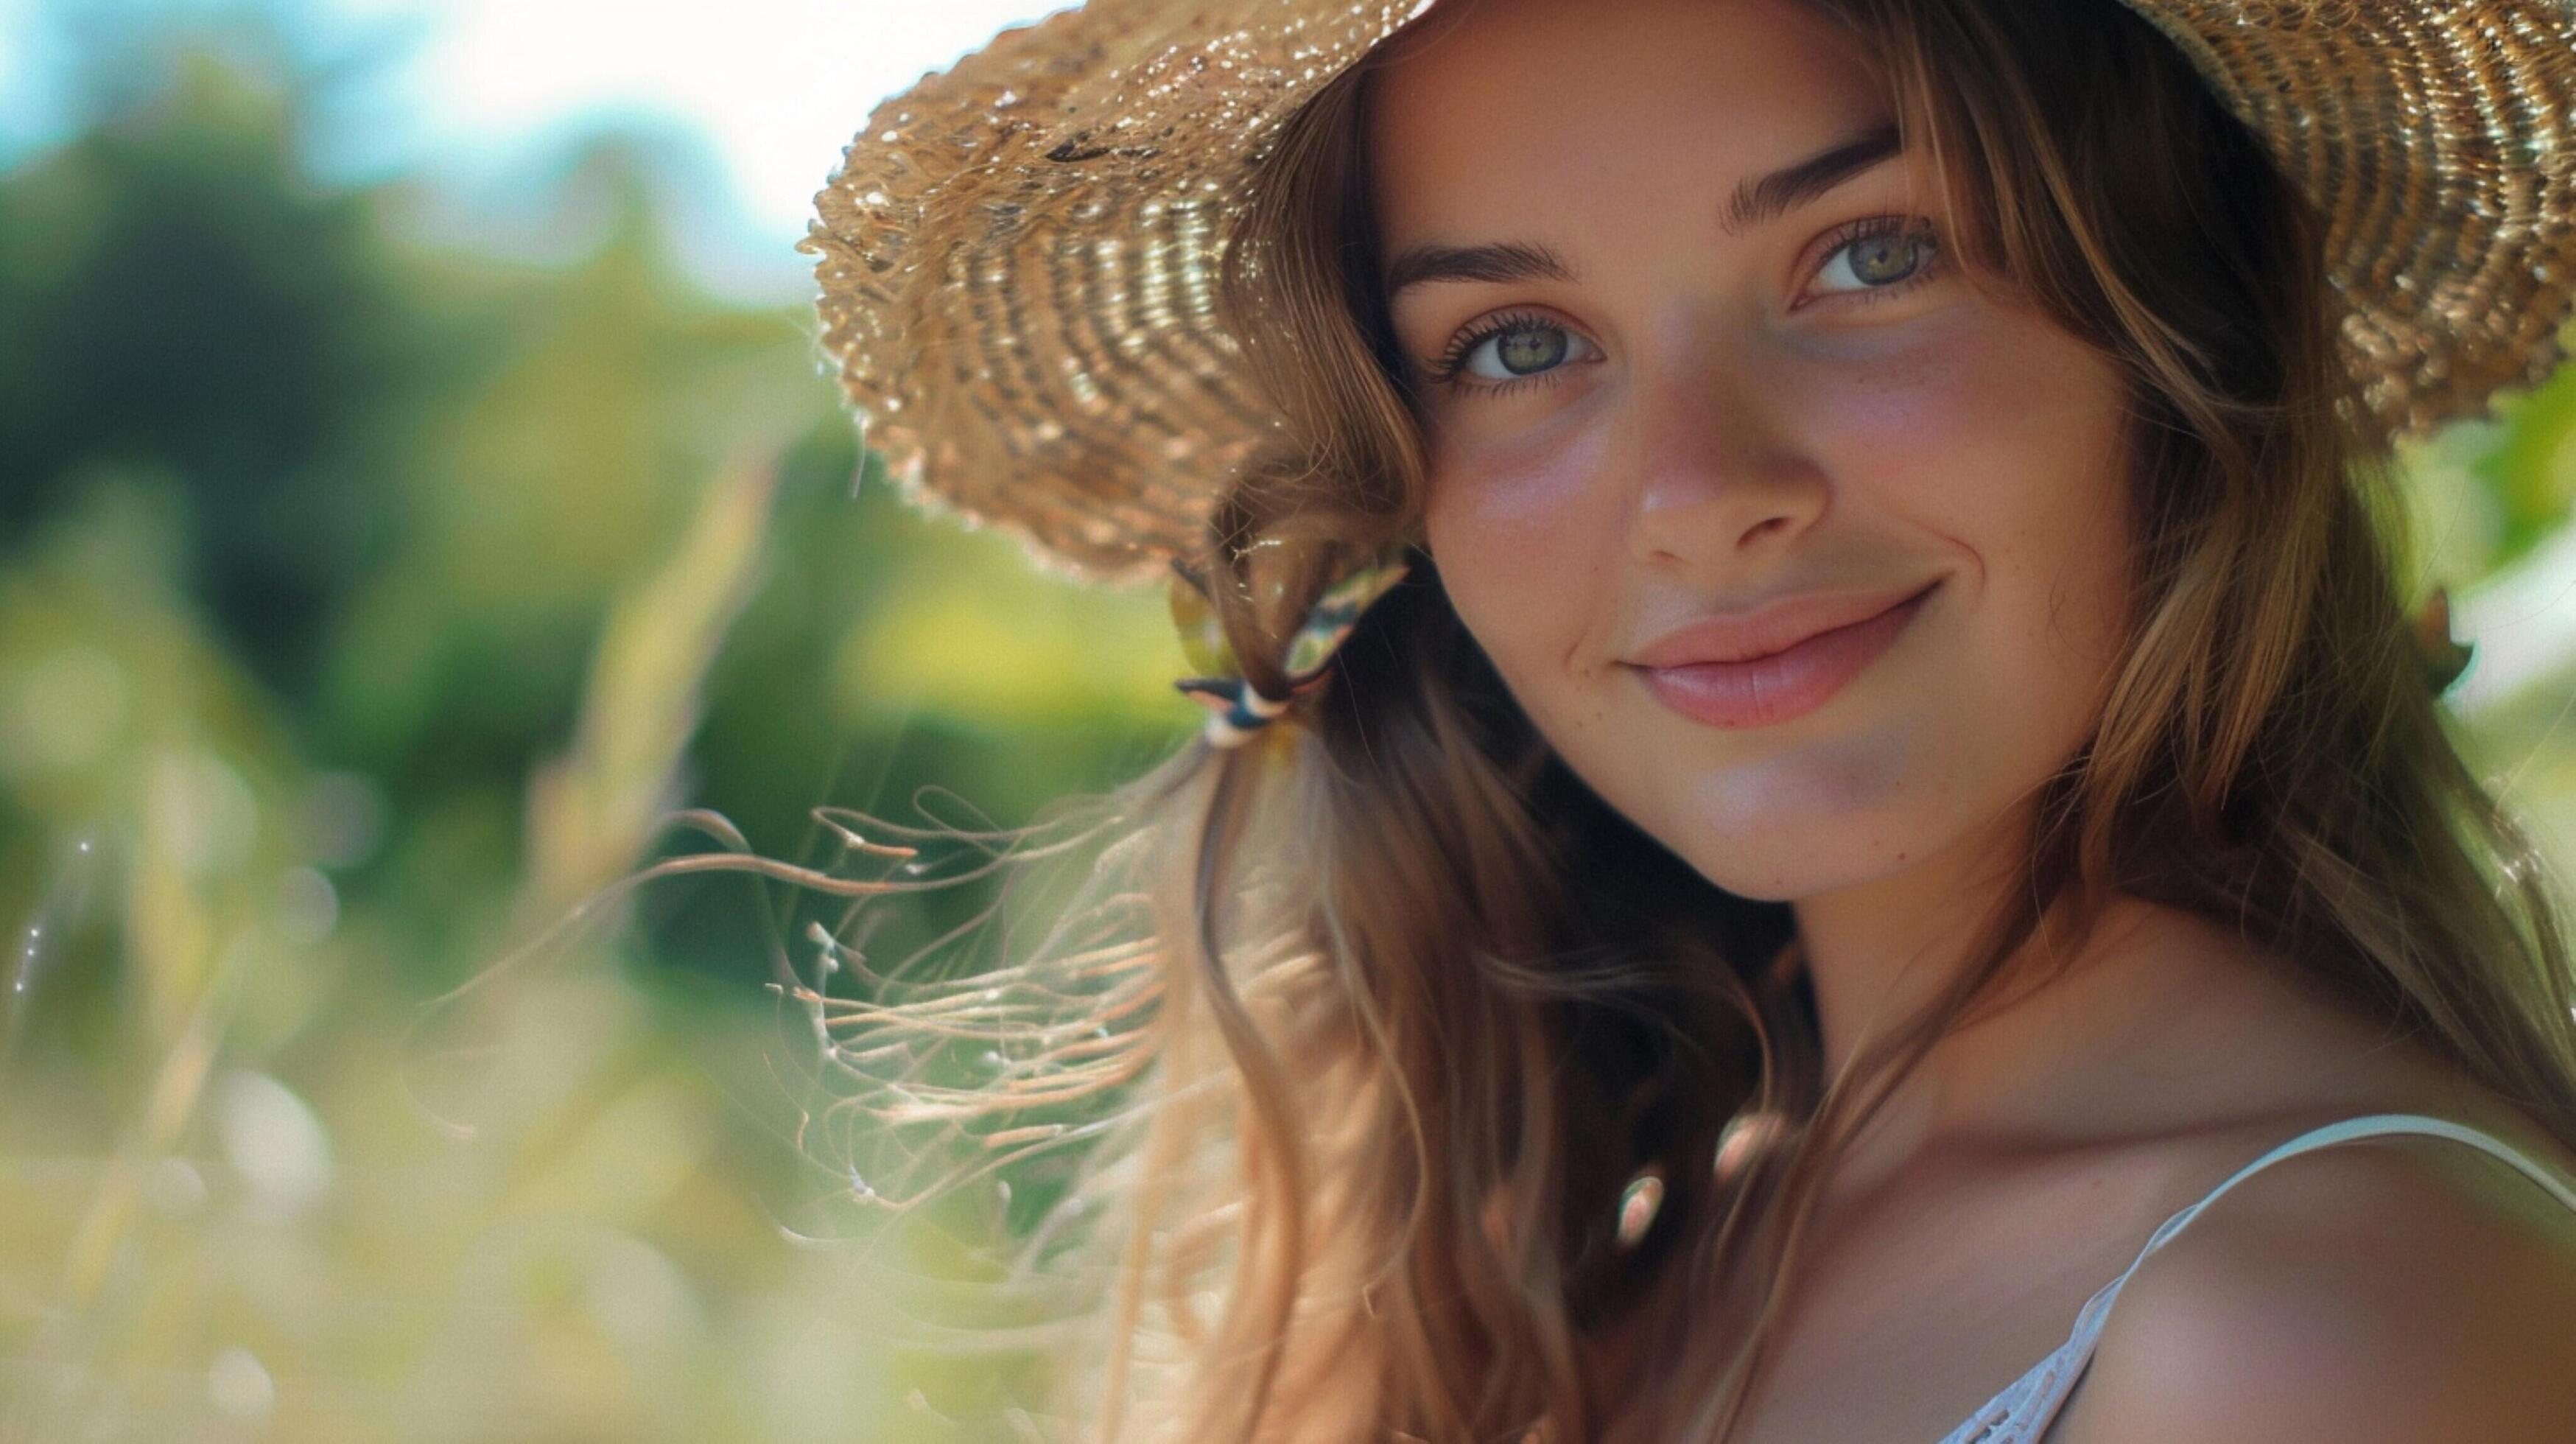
[(1523, 348), (1871, 262), (1506, 352)]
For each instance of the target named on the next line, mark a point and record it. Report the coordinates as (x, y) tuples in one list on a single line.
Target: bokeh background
[(417, 485)]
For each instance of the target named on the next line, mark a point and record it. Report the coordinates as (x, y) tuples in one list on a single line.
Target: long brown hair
[(1403, 1003)]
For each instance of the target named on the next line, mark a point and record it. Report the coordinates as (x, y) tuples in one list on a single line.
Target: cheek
[(2000, 445), (1520, 530), (2003, 456), (1518, 492)]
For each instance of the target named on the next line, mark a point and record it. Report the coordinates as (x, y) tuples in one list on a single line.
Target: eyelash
[(1870, 228), (1445, 371)]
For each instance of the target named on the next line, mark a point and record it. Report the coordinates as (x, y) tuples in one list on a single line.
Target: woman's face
[(1697, 380)]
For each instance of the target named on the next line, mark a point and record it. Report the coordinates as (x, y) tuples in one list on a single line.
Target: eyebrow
[(1501, 261), (1755, 201), (1773, 195)]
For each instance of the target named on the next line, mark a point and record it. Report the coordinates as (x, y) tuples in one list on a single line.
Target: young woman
[(1815, 773)]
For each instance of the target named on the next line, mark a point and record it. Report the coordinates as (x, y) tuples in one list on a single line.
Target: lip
[(1778, 663)]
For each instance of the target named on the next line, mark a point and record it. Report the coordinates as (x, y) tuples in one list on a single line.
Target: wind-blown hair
[(1402, 1003)]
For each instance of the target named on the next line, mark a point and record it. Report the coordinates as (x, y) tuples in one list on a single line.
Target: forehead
[(1487, 112)]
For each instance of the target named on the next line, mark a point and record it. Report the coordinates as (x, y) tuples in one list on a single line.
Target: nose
[(1721, 477)]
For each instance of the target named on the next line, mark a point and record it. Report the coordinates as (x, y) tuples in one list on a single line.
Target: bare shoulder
[(2387, 1289)]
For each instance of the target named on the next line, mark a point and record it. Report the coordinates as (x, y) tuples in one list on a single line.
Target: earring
[(1639, 1202)]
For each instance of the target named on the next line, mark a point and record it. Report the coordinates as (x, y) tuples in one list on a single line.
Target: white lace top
[(2024, 1410)]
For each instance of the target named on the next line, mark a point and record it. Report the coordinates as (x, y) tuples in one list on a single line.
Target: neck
[(2084, 1006), (1878, 950)]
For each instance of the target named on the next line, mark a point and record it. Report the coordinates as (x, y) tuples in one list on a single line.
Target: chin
[(1781, 835), (1797, 870), (1826, 816)]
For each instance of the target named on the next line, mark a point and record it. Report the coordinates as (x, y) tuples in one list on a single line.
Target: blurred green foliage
[(365, 604)]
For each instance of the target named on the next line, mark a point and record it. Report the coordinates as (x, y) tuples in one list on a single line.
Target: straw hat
[(1018, 255)]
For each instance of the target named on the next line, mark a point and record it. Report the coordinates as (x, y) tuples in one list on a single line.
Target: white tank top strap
[(2367, 1126), (2023, 1411)]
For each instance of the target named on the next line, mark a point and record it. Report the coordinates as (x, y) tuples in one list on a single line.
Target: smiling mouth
[(1791, 682)]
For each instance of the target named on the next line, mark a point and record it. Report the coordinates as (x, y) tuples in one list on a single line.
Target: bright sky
[(776, 87)]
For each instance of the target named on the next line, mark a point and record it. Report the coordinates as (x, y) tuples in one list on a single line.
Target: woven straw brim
[(1018, 256)]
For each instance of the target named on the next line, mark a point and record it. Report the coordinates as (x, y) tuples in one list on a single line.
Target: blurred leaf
[(973, 630), (2531, 468), (590, 814)]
